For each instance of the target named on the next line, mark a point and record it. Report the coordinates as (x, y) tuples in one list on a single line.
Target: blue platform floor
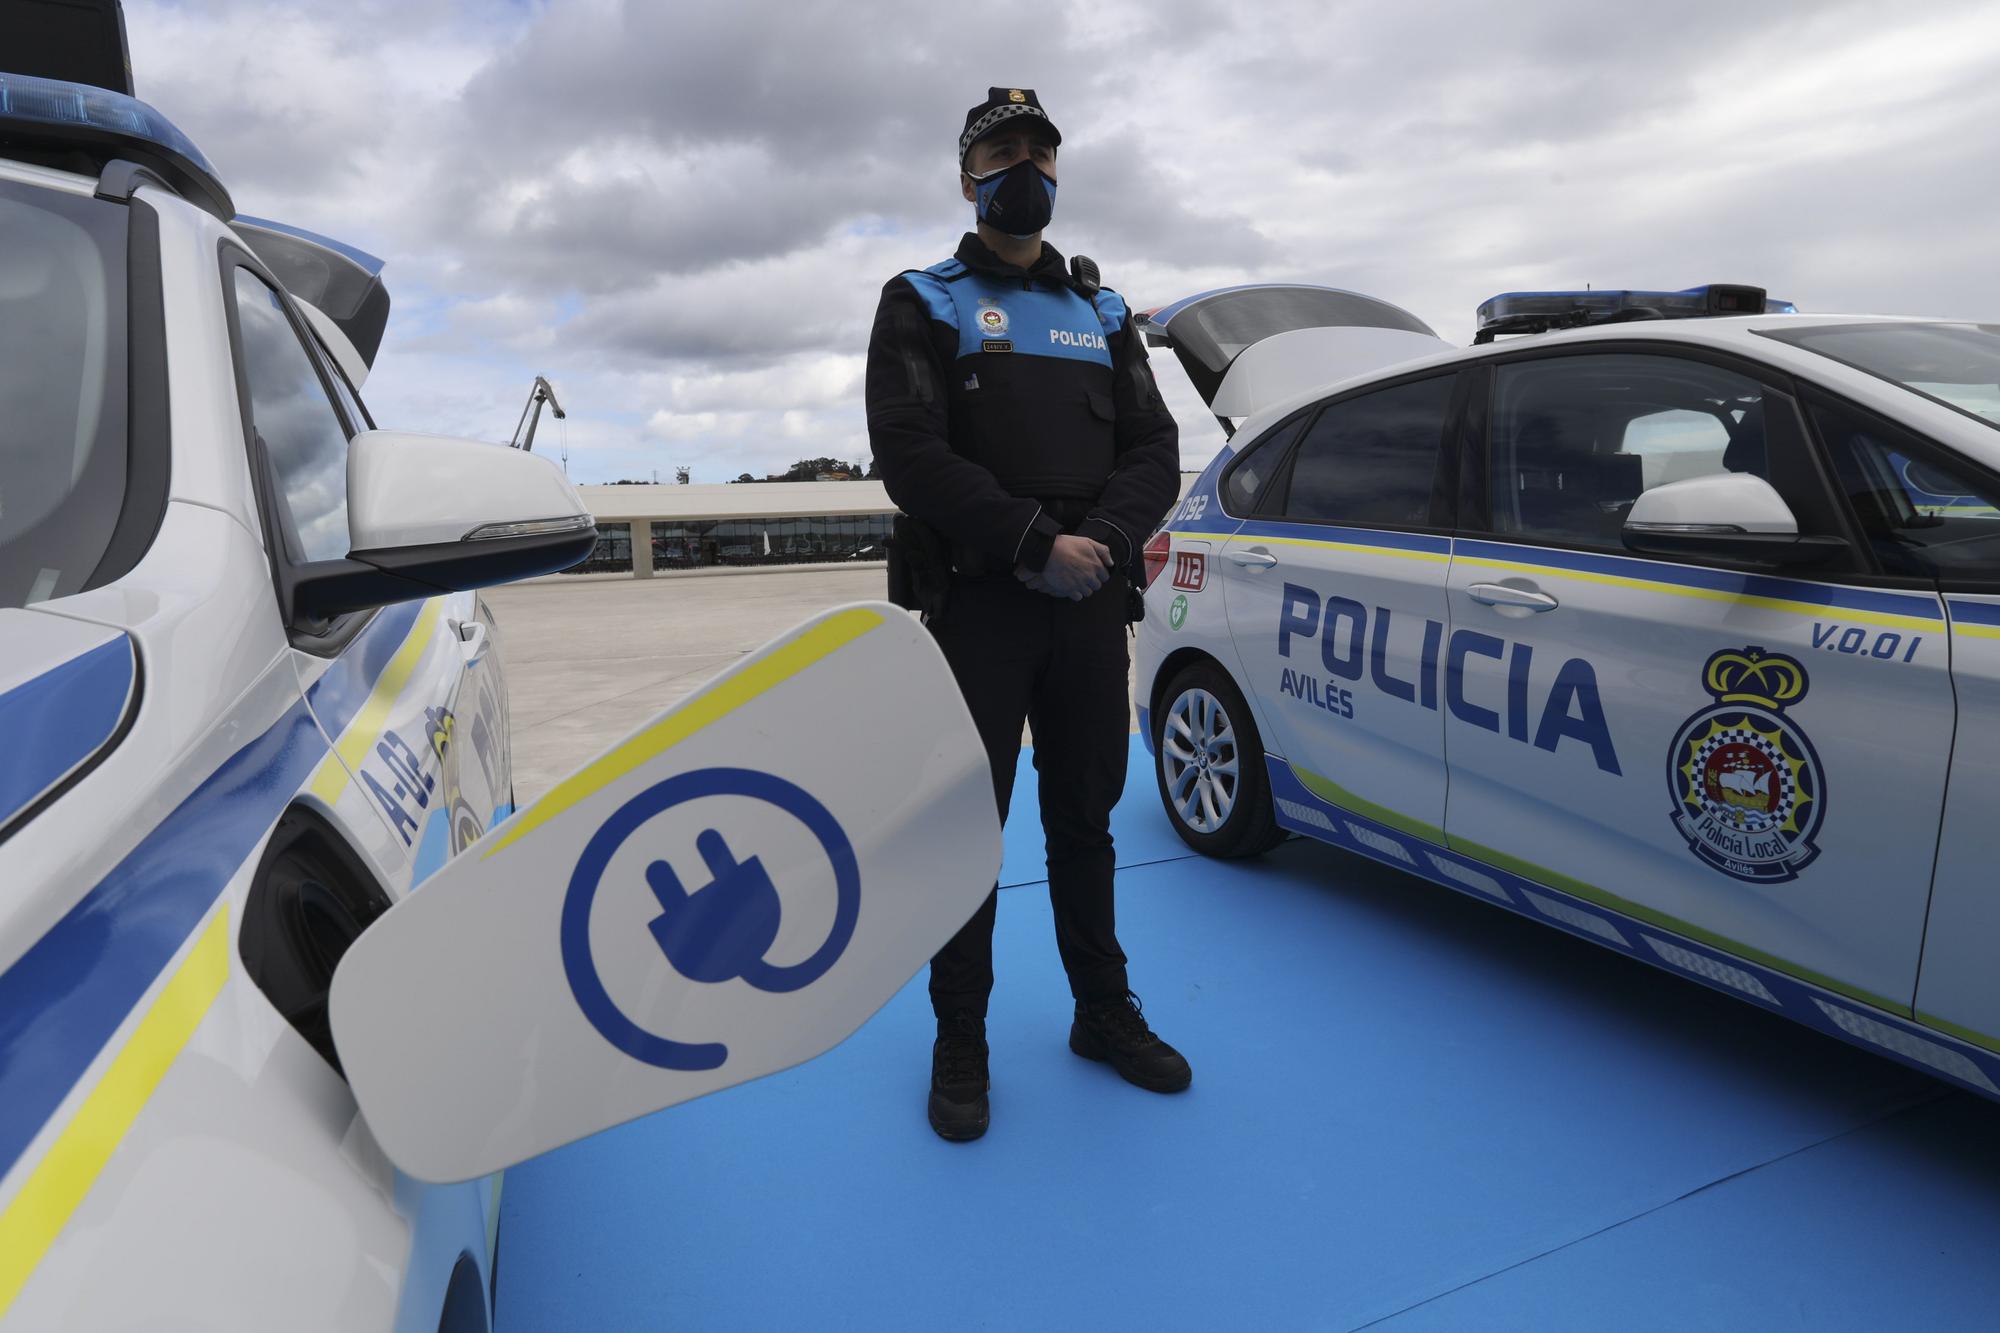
[(1411, 1111)]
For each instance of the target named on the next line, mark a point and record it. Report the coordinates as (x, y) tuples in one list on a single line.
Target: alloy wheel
[(1199, 759)]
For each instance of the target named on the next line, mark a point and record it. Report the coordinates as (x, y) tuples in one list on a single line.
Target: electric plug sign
[(723, 930), (719, 932)]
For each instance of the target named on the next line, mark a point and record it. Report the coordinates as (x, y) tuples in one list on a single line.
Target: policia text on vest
[(1007, 406)]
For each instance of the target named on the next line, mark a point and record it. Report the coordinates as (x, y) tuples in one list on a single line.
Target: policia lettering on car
[(1349, 649)]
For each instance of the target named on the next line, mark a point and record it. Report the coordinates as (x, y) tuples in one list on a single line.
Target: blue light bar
[(1538, 312), (105, 126)]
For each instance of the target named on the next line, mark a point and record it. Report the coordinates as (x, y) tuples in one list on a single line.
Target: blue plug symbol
[(722, 929)]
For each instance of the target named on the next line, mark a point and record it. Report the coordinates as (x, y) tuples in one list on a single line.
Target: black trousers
[(1059, 666)]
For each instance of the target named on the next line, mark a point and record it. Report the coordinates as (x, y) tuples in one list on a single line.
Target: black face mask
[(1018, 200)]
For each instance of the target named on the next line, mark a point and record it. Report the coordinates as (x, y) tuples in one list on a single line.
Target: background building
[(644, 528)]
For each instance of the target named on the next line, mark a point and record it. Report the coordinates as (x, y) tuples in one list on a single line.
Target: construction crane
[(543, 392)]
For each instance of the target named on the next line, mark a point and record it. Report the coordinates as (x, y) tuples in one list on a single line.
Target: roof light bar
[(1538, 312), (104, 126)]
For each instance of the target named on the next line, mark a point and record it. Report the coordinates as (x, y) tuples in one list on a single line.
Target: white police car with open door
[(1672, 626), (248, 703)]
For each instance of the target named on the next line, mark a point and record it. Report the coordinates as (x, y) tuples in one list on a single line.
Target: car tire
[(1221, 808)]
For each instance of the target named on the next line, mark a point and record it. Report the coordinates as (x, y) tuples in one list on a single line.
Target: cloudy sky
[(683, 213)]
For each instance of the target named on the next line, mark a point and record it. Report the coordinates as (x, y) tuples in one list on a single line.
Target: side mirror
[(428, 514), (729, 891), (1726, 516)]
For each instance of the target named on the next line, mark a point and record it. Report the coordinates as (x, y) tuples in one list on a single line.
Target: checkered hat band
[(992, 118)]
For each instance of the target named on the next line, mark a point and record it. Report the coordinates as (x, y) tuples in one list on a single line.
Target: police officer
[(1016, 423)]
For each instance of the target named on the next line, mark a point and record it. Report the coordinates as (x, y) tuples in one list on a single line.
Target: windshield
[(62, 389), (1955, 364)]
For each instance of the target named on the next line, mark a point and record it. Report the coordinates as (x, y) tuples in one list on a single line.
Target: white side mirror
[(727, 892), (428, 490), (429, 514), (1725, 516), (1719, 502)]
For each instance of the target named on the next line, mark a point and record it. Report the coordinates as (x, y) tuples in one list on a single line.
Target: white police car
[(231, 735), (1678, 633), (248, 704)]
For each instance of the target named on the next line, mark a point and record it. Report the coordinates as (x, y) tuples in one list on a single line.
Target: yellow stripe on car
[(1359, 548), (31, 1222), (718, 700), (1883, 618), (336, 770), (1888, 620)]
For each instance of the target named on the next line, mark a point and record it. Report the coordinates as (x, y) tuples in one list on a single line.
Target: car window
[(1576, 439), (292, 414), (1925, 514), (1249, 484), (62, 389), (1372, 460), (1955, 364)]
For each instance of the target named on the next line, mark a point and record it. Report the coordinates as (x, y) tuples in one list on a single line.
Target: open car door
[(1248, 347)]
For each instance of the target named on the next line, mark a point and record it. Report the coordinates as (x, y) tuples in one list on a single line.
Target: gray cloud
[(643, 199)]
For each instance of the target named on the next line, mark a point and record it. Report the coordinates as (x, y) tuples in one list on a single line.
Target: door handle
[(1499, 594), (1256, 557)]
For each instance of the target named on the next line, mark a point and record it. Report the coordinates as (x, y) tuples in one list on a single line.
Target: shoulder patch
[(931, 289), (1111, 309)]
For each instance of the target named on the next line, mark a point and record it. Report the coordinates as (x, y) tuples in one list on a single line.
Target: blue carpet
[(1408, 1107), (1139, 825)]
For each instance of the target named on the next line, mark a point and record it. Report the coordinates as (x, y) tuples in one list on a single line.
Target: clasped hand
[(1076, 568)]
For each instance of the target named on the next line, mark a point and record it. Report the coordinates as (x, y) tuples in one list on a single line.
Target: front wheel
[(1211, 766)]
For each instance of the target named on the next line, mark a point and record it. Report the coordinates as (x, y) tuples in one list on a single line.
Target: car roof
[(1739, 332)]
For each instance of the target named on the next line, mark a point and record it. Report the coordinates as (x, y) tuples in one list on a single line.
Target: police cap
[(1005, 107)]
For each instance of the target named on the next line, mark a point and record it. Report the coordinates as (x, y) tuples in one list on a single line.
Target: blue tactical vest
[(1030, 379)]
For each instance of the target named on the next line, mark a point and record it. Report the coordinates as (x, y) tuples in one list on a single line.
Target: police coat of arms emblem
[(1749, 792)]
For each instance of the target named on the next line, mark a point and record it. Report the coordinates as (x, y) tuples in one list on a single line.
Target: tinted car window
[(1576, 439), (1925, 514), (1249, 483), (1372, 460), (1956, 364), (63, 412), (295, 419)]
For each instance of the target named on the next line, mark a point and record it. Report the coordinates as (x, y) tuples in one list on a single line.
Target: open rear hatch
[(338, 284), (1245, 348)]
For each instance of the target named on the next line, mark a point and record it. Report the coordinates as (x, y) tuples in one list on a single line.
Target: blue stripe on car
[(1690, 576), (1975, 613), (61, 718), (1392, 541), (339, 694), (66, 996)]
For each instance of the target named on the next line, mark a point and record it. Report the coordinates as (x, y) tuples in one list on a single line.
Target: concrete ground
[(591, 659)]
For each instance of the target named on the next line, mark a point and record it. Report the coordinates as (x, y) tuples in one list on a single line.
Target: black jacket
[(1006, 406)]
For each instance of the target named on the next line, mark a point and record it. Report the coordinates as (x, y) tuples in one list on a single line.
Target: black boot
[(1116, 1031), (958, 1079)]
